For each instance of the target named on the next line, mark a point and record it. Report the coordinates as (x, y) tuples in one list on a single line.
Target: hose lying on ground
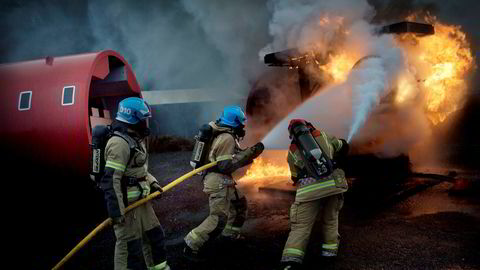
[(108, 221)]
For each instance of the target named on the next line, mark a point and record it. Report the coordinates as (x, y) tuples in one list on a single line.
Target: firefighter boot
[(329, 253), (290, 266), (191, 254)]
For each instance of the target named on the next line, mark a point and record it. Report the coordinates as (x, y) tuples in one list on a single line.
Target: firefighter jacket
[(126, 178), (308, 188), (226, 151)]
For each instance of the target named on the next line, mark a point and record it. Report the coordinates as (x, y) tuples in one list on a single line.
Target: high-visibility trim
[(230, 227), (224, 157), (133, 194), (330, 246), (326, 184), (340, 144), (193, 235), (115, 165), (293, 251), (160, 266), (295, 159), (330, 147)]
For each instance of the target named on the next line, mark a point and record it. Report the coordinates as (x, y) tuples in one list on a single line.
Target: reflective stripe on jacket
[(118, 158), (224, 147)]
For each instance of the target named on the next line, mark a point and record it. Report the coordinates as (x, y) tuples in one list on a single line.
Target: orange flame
[(439, 65), (339, 65), (264, 172), (442, 63), (261, 168)]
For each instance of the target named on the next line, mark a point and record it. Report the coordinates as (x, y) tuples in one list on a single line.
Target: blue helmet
[(233, 116), (133, 110)]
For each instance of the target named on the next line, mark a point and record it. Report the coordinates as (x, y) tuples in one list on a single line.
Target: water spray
[(368, 81)]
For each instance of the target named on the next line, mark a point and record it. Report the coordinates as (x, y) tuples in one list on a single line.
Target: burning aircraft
[(438, 61)]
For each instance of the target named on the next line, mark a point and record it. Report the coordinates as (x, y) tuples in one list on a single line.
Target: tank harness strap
[(214, 168)]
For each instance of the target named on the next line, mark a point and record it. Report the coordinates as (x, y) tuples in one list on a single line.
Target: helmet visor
[(143, 113)]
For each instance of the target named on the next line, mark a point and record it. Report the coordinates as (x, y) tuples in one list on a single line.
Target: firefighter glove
[(258, 149), (344, 150), (155, 187)]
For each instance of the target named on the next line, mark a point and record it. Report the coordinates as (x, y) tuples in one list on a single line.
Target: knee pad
[(135, 258), (240, 205), (156, 236), (222, 222), (241, 209)]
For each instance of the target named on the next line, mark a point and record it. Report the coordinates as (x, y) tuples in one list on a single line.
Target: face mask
[(240, 131), (142, 129), (145, 132)]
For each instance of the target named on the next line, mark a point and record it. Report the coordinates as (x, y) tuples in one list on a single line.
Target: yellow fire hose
[(108, 221)]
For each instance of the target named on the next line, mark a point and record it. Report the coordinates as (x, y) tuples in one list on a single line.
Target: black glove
[(344, 150), (154, 187), (257, 149), (118, 220)]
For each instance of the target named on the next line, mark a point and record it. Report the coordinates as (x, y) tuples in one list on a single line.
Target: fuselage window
[(25, 101), (68, 95)]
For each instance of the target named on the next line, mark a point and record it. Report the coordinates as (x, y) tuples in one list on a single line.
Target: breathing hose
[(108, 221)]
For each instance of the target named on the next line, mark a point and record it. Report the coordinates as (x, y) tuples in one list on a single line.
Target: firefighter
[(228, 206), (139, 236), (319, 190)]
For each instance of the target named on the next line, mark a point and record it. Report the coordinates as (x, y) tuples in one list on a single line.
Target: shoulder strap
[(132, 144)]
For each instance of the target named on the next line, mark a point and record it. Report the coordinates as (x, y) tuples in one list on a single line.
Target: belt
[(133, 181)]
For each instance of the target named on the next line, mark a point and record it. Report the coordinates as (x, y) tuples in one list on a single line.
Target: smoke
[(295, 24), (373, 76), (170, 44), (358, 108), (207, 44)]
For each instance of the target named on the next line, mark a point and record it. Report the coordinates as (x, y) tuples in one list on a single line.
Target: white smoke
[(188, 44), (295, 24), (374, 76), (345, 109), (184, 44)]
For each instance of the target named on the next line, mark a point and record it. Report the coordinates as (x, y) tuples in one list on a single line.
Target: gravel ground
[(429, 230)]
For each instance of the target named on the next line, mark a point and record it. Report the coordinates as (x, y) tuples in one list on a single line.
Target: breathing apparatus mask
[(239, 131), (142, 128)]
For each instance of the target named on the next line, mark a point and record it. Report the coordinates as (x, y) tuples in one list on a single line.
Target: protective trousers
[(302, 219), (228, 211), (140, 241)]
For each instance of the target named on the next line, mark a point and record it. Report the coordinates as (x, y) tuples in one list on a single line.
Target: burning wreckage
[(433, 84)]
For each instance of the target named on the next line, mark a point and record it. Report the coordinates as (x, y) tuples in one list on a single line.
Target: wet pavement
[(429, 229)]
